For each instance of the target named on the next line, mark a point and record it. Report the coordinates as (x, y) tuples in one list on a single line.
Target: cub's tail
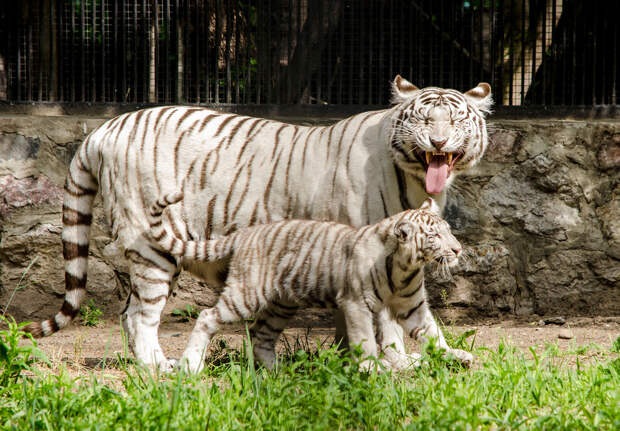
[(205, 251), (79, 193)]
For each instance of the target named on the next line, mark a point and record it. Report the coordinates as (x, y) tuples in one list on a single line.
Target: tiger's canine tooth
[(449, 158), (428, 157)]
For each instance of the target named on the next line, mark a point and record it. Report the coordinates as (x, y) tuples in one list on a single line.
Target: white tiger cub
[(278, 267), (237, 171)]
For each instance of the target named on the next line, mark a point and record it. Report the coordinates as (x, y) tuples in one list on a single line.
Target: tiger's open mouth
[(438, 166)]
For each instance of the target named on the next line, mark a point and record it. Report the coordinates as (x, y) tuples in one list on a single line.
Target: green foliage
[(616, 346), (91, 314), (16, 356), (186, 314), (324, 390)]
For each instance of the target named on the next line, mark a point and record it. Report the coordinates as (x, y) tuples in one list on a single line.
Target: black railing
[(533, 52)]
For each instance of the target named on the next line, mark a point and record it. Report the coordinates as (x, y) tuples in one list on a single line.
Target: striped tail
[(79, 193), (192, 250)]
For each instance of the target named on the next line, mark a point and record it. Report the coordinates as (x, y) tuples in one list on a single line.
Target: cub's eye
[(427, 121)]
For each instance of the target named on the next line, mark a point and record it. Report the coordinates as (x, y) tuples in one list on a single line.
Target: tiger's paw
[(374, 366), (192, 362), (167, 366)]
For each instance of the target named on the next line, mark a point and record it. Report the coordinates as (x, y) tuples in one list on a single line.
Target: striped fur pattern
[(275, 268), (236, 171)]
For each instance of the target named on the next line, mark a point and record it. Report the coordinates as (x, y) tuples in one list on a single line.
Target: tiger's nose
[(439, 143), (457, 250)]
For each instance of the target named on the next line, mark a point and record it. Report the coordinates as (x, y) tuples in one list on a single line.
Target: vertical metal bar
[(614, 75), (123, 53), (135, 52), (341, 54), (289, 52), (259, 51), (391, 63), (480, 46), (329, 80), (441, 72), (594, 77), (573, 31), (511, 53), (553, 54), (523, 49), (248, 63), (103, 49), (418, 52), (532, 25), (412, 38), (82, 51), (543, 57), (167, 83), (492, 43), (369, 32), (471, 46), (237, 55), (565, 69), (227, 52), (360, 51), (29, 62), (320, 64), (59, 43), (216, 57), (93, 66), (40, 92), (500, 79)]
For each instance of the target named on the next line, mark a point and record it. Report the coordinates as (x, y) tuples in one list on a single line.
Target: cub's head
[(424, 237), (437, 132)]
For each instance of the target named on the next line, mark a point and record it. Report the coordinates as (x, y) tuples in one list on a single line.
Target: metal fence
[(533, 52)]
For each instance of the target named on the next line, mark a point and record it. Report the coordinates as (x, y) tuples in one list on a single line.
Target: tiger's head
[(437, 132), (424, 237)]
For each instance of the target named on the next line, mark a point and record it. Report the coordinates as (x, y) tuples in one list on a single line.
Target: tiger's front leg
[(420, 324), (392, 343)]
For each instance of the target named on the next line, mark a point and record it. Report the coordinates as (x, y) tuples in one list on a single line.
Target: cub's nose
[(457, 250), (439, 143)]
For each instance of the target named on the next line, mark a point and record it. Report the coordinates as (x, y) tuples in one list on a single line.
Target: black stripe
[(410, 277), (413, 310), (402, 188), (71, 250)]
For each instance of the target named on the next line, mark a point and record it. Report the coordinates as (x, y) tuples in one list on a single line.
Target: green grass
[(322, 390)]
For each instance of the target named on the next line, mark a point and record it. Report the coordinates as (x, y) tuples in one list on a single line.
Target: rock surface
[(539, 216)]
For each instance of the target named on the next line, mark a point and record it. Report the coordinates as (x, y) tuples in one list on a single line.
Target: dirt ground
[(82, 348)]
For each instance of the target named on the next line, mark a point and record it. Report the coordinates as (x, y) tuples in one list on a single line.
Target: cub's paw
[(465, 358)]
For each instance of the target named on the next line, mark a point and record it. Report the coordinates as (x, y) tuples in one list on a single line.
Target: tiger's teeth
[(428, 157), (449, 158)]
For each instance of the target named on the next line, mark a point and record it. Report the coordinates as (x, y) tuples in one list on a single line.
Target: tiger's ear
[(480, 96), (431, 206), (402, 89), (403, 231)]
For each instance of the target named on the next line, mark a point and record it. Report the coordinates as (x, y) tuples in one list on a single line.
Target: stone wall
[(540, 217)]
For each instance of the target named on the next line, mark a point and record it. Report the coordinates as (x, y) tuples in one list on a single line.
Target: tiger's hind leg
[(267, 329), (232, 306), (152, 274)]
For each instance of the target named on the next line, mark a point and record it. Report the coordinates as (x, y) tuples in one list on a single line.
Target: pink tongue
[(436, 175)]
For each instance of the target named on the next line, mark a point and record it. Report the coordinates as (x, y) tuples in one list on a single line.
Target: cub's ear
[(431, 206), (403, 231), (480, 96), (402, 89)]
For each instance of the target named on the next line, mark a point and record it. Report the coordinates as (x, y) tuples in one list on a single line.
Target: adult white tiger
[(236, 171)]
